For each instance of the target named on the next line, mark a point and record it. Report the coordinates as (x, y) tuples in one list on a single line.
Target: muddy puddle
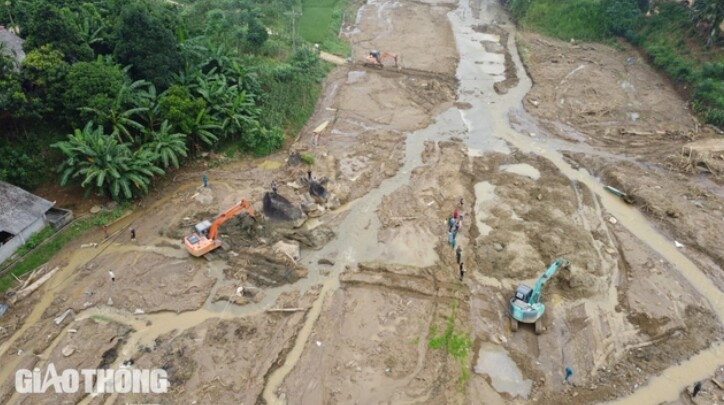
[(484, 195), (505, 376), (522, 169)]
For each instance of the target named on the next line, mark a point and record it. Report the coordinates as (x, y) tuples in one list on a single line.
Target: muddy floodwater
[(504, 374)]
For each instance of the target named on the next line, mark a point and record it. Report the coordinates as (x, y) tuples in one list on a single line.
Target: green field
[(320, 21)]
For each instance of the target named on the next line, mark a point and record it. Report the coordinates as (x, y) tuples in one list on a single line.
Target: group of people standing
[(454, 224)]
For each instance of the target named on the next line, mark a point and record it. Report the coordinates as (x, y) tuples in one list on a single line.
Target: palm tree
[(102, 162), (201, 130), (147, 99), (167, 146), (119, 117)]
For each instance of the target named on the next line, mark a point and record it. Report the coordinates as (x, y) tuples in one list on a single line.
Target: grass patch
[(564, 19), (456, 343), (320, 23), (44, 253), (307, 158), (34, 240)]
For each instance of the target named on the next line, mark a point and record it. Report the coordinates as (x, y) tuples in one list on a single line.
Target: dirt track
[(351, 320)]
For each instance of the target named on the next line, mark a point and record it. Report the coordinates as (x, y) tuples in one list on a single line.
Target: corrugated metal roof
[(13, 44), (19, 208)]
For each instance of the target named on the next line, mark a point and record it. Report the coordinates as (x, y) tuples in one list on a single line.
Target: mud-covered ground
[(645, 140), (360, 299)]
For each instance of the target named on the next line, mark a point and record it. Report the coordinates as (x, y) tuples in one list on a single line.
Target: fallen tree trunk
[(30, 289), (285, 309)]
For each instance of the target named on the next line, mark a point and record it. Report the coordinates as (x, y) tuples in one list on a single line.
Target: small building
[(23, 214), (11, 44)]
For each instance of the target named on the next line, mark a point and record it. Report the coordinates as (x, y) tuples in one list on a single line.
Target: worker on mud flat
[(461, 203), (456, 214), (697, 388), (133, 234), (462, 271), (459, 254), (458, 224), (205, 180), (105, 231), (569, 373), (113, 276), (309, 174), (274, 186), (450, 223)]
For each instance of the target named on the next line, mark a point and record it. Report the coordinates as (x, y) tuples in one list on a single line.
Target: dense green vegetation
[(114, 93), (684, 42)]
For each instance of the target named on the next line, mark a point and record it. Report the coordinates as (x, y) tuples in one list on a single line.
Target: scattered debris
[(285, 309), (60, 318), (30, 289)]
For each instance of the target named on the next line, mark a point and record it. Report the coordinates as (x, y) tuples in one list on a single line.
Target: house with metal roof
[(23, 214)]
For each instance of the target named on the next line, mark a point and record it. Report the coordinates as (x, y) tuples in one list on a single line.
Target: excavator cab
[(376, 55), (523, 293), (202, 228)]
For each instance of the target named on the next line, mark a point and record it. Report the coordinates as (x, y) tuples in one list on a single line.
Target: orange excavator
[(375, 58), (204, 239)]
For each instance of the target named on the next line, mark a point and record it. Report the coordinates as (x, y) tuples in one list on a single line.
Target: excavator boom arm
[(552, 270), (228, 214), (389, 55)]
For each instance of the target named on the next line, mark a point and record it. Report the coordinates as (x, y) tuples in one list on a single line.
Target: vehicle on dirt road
[(525, 306), (375, 59), (204, 239)]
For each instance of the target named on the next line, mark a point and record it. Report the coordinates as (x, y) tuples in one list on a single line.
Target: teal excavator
[(525, 306)]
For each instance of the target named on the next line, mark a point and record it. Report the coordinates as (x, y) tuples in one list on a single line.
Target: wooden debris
[(321, 127), (285, 309), (29, 290)]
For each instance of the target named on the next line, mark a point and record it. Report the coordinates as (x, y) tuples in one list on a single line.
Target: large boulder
[(279, 208), (318, 191)]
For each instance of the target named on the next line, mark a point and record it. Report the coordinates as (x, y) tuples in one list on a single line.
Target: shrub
[(307, 158), (622, 16)]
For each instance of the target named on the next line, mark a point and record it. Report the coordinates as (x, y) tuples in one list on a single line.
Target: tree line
[(114, 93)]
